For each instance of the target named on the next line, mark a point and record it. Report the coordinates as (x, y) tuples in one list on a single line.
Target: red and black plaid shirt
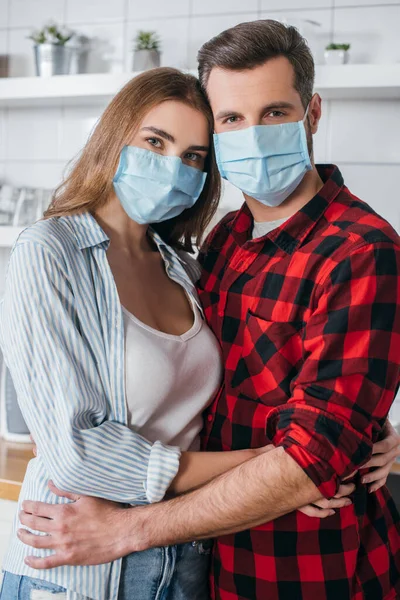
[(308, 318)]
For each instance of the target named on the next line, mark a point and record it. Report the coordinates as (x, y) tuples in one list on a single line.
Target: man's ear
[(314, 113)]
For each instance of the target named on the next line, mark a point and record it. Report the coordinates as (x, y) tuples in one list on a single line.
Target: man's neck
[(308, 188)]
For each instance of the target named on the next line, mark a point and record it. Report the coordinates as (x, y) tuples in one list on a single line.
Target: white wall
[(362, 137)]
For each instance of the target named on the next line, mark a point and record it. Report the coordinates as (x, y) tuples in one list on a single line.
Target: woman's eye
[(154, 142)]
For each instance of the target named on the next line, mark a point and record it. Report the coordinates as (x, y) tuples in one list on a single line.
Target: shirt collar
[(87, 231), (290, 235), (166, 251), (88, 234)]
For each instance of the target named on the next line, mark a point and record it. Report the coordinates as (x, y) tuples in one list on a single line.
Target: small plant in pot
[(337, 54), (147, 51), (52, 56)]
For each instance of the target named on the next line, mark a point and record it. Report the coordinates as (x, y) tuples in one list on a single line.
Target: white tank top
[(170, 380)]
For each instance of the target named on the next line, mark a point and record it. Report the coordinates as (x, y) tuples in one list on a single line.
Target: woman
[(105, 339)]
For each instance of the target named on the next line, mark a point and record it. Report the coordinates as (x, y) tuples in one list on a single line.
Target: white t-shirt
[(170, 380), (261, 229)]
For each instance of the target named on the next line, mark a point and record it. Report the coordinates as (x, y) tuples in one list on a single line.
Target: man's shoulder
[(366, 222), (353, 223)]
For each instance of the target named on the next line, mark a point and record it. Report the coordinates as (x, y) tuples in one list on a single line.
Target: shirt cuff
[(161, 470), (326, 448)]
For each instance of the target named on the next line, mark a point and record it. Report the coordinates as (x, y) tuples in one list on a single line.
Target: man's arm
[(260, 490), (256, 492), (339, 404)]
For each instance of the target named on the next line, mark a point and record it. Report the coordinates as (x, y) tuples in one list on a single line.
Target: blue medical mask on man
[(266, 162), (153, 188)]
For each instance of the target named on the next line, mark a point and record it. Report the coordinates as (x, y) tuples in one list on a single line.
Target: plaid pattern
[(308, 318)]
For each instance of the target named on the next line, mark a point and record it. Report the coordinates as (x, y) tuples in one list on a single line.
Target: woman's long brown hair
[(89, 184)]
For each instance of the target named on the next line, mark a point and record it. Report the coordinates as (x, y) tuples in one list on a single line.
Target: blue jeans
[(172, 573), (18, 587)]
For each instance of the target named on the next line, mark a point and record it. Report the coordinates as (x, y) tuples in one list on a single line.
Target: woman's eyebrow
[(161, 133)]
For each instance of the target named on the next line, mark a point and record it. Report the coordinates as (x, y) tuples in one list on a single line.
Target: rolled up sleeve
[(342, 395), (62, 393)]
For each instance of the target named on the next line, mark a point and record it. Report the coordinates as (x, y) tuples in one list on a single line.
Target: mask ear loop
[(306, 113), (304, 132)]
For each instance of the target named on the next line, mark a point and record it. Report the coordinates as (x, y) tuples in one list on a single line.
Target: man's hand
[(384, 455), (88, 531)]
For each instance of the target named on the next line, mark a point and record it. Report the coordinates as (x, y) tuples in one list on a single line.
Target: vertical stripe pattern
[(62, 334)]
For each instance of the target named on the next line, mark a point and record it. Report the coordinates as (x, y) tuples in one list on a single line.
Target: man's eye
[(192, 156), (232, 119), (275, 114)]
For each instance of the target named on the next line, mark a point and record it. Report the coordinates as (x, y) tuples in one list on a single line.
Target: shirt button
[(209, 418)]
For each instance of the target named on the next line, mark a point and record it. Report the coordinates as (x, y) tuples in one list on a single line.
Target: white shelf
[(61, 89), (359, 82), (342, 82), (8, 236)]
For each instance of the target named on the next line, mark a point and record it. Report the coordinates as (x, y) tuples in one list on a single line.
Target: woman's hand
[(384, 455), (326, 508)]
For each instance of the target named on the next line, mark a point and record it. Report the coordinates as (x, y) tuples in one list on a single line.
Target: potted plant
[(337, 54), (147, 51), (52, 56)]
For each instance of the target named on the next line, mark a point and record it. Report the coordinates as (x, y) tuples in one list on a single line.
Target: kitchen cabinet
[(7, 513), (14, 459)]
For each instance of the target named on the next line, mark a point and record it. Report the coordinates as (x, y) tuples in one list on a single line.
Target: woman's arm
[(60, 390), (80, 440), (198, 468)]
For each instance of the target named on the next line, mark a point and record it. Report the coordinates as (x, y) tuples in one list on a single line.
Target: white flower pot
[(336, 57), (143, 60)]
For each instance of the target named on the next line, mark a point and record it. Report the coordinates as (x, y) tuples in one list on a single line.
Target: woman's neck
[(125, 234)]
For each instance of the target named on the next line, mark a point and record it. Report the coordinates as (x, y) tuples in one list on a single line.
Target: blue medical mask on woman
[(153, 188), (266, 162)]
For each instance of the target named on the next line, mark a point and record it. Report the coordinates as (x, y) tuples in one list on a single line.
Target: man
[(301, 286)]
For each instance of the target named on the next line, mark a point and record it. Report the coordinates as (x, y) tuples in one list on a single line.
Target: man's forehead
[(272, 81), (274, 68)]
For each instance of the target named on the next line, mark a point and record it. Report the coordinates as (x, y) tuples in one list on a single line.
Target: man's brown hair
[(249, 45)]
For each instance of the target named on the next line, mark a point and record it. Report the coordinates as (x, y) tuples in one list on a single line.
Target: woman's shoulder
[(51, 235)]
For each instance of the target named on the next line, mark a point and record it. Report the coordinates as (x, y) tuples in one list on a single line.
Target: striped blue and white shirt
[(62, 334)]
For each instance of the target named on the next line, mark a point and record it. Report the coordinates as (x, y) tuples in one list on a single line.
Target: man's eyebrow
[(226, 113), (273, 106), (278, 104), (160, 132)]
